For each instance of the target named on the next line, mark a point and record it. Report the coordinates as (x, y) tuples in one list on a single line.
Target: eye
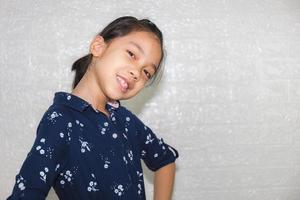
[(149, 76), (131, 54)]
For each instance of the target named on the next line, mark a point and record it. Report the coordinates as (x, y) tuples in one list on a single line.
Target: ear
[(97, 46)]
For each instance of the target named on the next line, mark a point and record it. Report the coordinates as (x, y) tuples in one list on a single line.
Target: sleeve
[(45, 159), (154, 151)]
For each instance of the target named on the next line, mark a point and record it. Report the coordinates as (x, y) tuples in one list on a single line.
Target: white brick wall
[(228, 101)]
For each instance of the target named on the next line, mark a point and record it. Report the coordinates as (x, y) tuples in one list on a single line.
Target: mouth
[(123, 83)]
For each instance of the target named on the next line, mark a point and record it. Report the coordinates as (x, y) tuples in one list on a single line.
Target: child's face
[(124, 66)]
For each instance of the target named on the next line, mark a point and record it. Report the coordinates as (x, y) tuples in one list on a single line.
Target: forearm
[(164, 182)]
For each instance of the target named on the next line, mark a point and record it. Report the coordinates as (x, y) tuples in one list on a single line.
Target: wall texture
[(228, 100)]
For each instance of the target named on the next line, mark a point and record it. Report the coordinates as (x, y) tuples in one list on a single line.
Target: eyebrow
[(143, 52)]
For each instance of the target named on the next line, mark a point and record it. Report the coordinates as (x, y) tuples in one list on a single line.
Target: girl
[(87, 145)]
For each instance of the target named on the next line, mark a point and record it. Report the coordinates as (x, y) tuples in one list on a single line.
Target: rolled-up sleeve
[(154, 151), (45, 159)]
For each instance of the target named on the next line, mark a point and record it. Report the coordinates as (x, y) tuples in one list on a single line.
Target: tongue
[(123, 83)]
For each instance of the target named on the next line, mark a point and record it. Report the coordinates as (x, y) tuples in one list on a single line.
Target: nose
[(135, 74)]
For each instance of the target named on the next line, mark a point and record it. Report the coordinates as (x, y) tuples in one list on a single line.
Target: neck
[(89, 90)]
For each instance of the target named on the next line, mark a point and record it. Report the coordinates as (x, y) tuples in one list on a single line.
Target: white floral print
[(92, 185)]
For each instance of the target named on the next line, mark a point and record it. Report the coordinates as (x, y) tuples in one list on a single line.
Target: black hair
[(118, 28)]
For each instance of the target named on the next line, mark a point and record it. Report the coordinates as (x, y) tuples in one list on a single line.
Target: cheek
[(110, 60), (137, 89)]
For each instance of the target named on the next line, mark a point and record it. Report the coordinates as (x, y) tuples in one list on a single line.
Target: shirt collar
[(78, 103)]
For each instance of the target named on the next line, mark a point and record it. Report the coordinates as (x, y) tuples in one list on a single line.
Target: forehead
[(140, 35), (146, 42)]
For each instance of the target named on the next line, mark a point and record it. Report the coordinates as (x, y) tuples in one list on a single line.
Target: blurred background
[(228, 100)]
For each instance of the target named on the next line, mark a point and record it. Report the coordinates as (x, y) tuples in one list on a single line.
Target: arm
[(164, 182), (44, 161), (158, 157)]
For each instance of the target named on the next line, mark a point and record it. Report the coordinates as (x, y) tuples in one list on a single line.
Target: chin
[(114, 97), (124, 97), (119, 95)]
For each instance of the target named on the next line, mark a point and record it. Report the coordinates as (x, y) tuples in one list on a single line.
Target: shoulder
[(56, 113), (56, 117), (122, 111), (125, 112), (130, 117)]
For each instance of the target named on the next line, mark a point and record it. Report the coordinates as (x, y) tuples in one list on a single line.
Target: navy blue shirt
[(84, 154)]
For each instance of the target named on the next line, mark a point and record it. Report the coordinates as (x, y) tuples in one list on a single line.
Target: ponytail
[(80, 66)]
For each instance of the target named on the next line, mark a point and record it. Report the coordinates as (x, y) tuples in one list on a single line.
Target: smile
[(123, 83)]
